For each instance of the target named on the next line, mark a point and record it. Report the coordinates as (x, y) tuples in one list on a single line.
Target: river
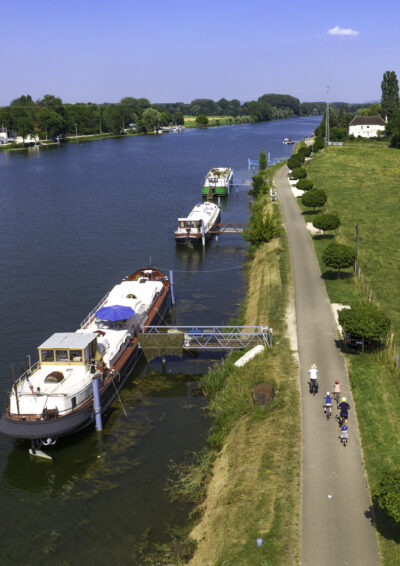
[(74, 219)]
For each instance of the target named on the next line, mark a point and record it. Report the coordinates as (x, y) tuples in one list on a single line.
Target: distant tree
[(24, 126), (141, 127), (315, 198), (390, 94), (201, 120), (262, 161), (304, 184), (24, 100), (166, 118), (178, 118), (53, 103), (50, 122), (338, 256), (299, 173), (326, 221), (366, 321), (259, 186), (387, 495), (151, 118), (262, 227), (395, 141), (303, 153)]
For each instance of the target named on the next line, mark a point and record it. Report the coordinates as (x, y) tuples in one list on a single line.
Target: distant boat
[(203, 216), (217, 182), (288, 141)]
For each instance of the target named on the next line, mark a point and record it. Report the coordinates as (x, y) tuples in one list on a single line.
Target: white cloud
[(343, 32)]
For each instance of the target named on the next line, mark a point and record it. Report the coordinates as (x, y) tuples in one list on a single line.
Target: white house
[(366, 126)]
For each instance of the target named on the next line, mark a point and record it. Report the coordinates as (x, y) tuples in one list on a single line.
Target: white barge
[(199, 224)]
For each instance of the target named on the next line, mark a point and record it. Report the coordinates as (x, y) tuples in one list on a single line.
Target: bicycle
[(337, 398), (344, 437), (328, 411)]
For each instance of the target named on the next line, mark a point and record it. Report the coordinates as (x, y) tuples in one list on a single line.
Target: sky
[(177, 50)]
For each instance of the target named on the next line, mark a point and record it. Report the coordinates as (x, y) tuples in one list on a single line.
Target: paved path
[(336, 528)]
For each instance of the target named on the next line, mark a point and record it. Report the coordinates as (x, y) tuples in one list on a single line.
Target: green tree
[(326, 221), (259, 186), (294, 161), (262, 160), (390, 94), (262, 227), (387, 495), (201, 120), (166, 118), (315, 198), (50, 122), (299, 173), (338, 256), (304, 184), (366, 321), (151, 118), (318, 144), (178, 118)]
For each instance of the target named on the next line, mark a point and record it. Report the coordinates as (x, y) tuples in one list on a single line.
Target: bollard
[(96, 402), (171, 286)]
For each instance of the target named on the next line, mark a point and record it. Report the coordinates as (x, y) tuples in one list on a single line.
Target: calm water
[(73, 221)]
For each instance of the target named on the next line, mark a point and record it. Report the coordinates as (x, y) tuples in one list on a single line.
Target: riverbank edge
[(251, 484)]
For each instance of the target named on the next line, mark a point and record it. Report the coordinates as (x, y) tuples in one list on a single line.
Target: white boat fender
[(249, 355)]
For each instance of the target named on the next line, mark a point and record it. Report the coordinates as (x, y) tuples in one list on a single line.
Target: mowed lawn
[(363, 186)]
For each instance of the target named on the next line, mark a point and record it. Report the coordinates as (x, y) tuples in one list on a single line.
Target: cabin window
[(61, 355), (47, 355), (75, 355), (73, 402)]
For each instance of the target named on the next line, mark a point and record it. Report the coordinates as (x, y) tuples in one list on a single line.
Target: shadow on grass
[(384, 524), (335, 275), (311, 212), (323, 237)]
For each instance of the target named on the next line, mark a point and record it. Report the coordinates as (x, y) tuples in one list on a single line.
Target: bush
[(294, 161), (201, 120), (262, 161), (299, 173), (304, 184), (314, 198), (366, 321), (326, 221), (259, 186), (387, 495), (318, 144), (338, 256), (395, 141), (262, 227)]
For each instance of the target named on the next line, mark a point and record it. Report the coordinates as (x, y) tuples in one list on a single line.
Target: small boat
[(200, 222), (288, 141), (218, 182), (177, 129), (55, 397)]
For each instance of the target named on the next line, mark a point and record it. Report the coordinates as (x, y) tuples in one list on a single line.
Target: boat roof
[(78, 340), (200, 211)]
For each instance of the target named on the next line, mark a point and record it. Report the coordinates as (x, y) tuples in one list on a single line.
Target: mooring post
[(203, 234), (96, 402), (219, 202), (171, 285)]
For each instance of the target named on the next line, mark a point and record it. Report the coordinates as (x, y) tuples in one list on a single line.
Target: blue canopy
[(113, 313)]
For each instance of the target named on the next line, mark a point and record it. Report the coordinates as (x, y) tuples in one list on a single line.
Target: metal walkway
[(208, 337), (227, 228)]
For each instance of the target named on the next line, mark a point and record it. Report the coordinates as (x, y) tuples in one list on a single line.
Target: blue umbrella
[(113, 313)]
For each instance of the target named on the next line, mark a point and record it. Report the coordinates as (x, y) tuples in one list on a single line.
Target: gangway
[(164, 338), (227, 228)]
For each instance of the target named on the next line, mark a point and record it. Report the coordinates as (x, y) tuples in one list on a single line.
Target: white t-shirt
[(313, 373)]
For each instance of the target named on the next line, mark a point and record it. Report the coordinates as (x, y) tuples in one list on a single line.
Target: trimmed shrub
[(366, 321), (315, 198), (294, 161), (304, 184), (387, 495), (318, 144), (326, 221), (338, 256), (299, 173)]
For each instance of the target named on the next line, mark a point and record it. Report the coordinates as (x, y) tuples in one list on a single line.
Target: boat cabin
[(68, 348), (186, 224)]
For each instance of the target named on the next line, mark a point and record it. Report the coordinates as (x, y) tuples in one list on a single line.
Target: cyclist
[(336, 391), (344, 411), (313, 371), (328, 403), (344, 435)]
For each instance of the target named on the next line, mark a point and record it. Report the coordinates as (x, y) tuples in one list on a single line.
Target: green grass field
[(362, 184)]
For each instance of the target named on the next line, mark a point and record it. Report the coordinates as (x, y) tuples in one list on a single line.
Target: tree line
[(50, 116)]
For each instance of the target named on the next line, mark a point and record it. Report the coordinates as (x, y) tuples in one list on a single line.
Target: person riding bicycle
[(313, 371), (336, 391), (344, 434), (328, 402), (344, 411)]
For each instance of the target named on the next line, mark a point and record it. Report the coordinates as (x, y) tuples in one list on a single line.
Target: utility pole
[(327, 117)]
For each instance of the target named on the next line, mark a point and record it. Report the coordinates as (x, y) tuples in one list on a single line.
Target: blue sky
[(174, 50)]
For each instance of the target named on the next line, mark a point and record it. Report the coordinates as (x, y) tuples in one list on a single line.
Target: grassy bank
[(255, 484), (190, 121), (361, 181)]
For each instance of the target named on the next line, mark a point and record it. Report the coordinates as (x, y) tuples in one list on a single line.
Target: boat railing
[(28, 372), (92, 315)]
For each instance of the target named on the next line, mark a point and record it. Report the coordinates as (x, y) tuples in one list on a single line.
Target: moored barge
[(198, 225), (218, 182)]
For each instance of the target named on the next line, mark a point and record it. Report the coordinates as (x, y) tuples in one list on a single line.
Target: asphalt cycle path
[(337, 528)]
